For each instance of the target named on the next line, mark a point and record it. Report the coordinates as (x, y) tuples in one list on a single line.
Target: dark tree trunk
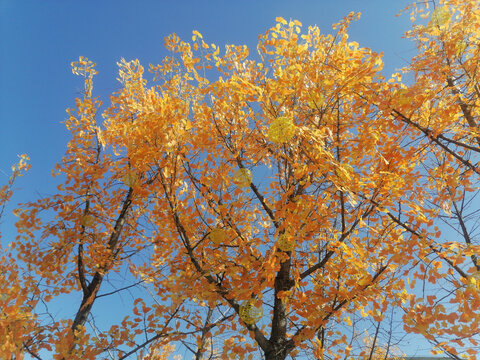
[(278, 352)]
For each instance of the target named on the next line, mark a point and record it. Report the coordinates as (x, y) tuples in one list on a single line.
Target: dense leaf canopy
[(267, 205)]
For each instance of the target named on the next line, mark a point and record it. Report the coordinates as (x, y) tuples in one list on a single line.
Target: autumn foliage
[(272, 204)]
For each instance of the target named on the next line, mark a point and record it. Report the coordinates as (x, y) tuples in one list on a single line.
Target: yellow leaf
[(217, 236), (440, 16), (196, 33), (364, 281), (281, 130), (87, 220), (242, 177), (285, 242), (250, 313), (129, 179)]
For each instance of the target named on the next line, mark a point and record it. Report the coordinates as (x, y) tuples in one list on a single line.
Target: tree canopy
[(266, 205)]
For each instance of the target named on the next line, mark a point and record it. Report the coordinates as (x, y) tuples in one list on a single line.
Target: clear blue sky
[(40, 38)]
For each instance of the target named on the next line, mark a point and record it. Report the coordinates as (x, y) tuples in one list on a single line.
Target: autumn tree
[(270, 205), (443, 112)]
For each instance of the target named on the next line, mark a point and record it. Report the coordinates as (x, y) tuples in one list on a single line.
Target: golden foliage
[(337, 221)]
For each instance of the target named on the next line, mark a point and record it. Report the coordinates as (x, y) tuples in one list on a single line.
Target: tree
[(445, 114), (268, 204)]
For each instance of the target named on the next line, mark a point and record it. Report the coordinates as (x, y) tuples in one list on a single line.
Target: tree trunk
[(278, 352)]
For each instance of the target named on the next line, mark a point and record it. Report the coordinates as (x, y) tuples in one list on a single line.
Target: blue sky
[(40, 38)]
